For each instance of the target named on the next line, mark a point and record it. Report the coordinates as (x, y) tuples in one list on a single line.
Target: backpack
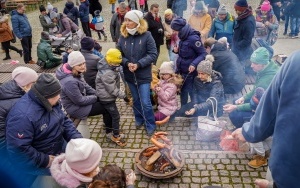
[(71, 15)]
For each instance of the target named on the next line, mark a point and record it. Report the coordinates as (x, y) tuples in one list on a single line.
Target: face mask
[(131, 31)]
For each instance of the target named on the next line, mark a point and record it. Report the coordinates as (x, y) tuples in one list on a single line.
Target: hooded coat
[(67, 25), (45, 54), (5, 30), (46, 26), (229, 66), (20, 24), (139, 49), (70, 8), (91, 61), (77, 96), (84, 11)]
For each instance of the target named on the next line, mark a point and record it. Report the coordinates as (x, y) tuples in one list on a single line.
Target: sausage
[(153, 148), (165, 139), (157, 143), (164, 166), (148, 154), (160, 133)]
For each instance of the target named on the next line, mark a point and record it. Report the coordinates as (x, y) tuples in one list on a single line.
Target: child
[(68, 50), (97, 50), (142, 3), (132, 4), (98, 21), (108, 90), (167, 92)]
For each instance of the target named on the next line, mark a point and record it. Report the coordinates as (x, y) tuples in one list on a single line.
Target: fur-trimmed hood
[(176, 79), (59, 173), (4, 18), (142, 29)]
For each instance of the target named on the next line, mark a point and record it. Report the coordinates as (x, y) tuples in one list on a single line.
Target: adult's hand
[(240, 101), (132, 67), (237, 134), (58, 35), (229, 108), (190, 112), (130, 178), (51, 158), (191, 68)]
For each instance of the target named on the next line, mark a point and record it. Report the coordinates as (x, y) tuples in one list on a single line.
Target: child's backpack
[(98, 21)]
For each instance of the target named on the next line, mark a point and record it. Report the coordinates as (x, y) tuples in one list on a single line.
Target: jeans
[(27, 45), (238, 118), (295, 23), (286, 23), (142, 107), (113, 7), (186, 89), (112, 109)]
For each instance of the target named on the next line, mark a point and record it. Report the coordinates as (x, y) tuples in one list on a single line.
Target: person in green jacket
[(265, 69), (46, 58)]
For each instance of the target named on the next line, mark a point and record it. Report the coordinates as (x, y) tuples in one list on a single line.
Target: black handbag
[(14, 37)]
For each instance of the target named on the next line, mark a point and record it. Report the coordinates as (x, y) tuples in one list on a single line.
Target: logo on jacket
[(198, 44), (20, 135), (44, 126)]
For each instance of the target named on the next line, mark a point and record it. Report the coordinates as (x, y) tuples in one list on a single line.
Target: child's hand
[(130, 178), (157, 89)]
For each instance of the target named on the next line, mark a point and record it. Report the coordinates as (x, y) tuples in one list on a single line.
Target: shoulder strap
[(214, 104)]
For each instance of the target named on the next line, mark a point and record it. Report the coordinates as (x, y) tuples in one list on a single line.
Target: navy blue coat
[(69, 7), (191, 50), (84, 11), (20, 24), (33, 133)]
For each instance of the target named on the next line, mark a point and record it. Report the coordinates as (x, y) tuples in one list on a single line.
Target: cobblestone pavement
[(206, 164)]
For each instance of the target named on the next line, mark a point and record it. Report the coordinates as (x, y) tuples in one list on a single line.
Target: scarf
[(133, 31), (245, 14)]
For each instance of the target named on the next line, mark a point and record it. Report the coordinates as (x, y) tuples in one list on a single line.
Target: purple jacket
[(167, 101), (67, 25)]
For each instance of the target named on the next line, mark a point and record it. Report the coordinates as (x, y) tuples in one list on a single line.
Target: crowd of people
[(209, 56)]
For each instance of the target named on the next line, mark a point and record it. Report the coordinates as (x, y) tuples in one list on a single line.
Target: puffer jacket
[(5, 30), (46, 26), (67, 25), (203, 90), (84, 11), (108, 82), (34, 131), (77, 96), (70, 8), (201, 24), (10, 93), (91, 62), (115, 25), (223, 28), (191, 50), (229, 66), (45, 54), (139, 49), (20, 24), (167, 97)]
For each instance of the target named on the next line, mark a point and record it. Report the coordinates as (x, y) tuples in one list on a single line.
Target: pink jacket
[(167, 97)]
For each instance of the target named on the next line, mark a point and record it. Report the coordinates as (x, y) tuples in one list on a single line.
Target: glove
[(126, 99)]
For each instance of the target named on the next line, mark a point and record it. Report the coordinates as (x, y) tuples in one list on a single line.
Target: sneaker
[(32, 62), (108, 135), (118, 140), (258, 162)]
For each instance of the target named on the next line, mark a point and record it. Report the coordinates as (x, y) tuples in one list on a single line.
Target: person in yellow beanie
[(108, 90)]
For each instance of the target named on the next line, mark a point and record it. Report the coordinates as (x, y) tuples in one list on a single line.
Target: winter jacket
[(45, 54), (112, 1), (201, 24), (91, 62), (77, 96), (223, 28), (34, 131), (242, 37), (67, 25), (10, 93), (115, 25), (5, 30), (212, 3), (229, 66), (277, 115), (72, 12), (178, 6), (203, 90), (95, 5), (108, 82), (156, 28), (167, 97), (263, 79), (84, 11), (20, 24), (46, 26), (132, 4), (139, 49), (191, 50)]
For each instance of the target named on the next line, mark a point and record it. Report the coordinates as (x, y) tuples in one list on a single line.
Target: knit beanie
[(113, 56), (45, 35), (97, 46), (75, 58), (42, 8), (206, 65), (178, 23), (53, 15), (87, 43), (49, 7), (24, 76), (47, 86), (265, 6), (199, 5), (167, 67), (168, 12), (260, 56), (97, 12), (241, 5), (134, 15), (222, 10), (82, 155)]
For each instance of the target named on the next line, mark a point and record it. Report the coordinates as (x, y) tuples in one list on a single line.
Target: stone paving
[(205, 165)]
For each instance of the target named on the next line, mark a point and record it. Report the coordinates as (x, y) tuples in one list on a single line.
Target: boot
[(20, 52), (32, 62), (7, 57), (258, 162), (285, 32)]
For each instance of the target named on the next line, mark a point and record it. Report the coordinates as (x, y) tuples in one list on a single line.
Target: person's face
[(207, 49), (44, 13), (130, 24), (263, 12), (54, 20), (154, 11), (203, 76), (238, 12), (80, 68), (21, 10), (166, 76), (222, 16), (257, 67), (122, 11), (3, 5), (169, 16), (54, 100)]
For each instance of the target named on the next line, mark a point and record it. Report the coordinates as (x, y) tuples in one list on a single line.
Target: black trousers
[(98, 109), (158, 52), (6, 47), (86, 29), (27, 45), (112, 109)]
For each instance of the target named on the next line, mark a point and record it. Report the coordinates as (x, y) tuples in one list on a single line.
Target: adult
[(178, 6), (6, 36), (223, 25), (294, 19), (71, 11), (266, 24), (23, 31), (37, 129), (95, 5), (116, 21), (91, 60), (200, 20), (84, 17), (265, 69), (226, 62), (45, 20), (78, 165), (155, 26), (243, 32), (277, 115), (190, 53), (139, 52), (46, 57), (64, 23), (113, 4)]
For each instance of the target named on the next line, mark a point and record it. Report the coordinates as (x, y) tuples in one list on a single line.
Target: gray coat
[(91, 61), (108, 82), (115, 26)]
